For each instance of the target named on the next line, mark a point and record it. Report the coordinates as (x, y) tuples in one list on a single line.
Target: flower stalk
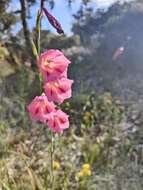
[(52, 67), (52, 159), (38, 36), (38, 30)]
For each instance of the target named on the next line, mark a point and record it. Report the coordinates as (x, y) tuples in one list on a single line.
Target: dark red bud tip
[(53, 21), (42, 3)]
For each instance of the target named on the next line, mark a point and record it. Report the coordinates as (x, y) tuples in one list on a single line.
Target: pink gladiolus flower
[(58, 121), (53, 64), (40, 107), (58, 90)]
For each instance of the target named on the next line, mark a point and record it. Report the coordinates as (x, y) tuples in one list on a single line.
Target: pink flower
[(40, 107), (58, 121), (53, 64), (58, 90)]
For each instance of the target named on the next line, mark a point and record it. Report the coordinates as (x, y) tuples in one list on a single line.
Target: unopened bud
[(53, 21)]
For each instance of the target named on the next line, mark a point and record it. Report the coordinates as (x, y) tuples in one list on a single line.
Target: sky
[(61, 11)]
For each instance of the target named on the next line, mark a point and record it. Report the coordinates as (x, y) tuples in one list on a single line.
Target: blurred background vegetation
[(106, 110)]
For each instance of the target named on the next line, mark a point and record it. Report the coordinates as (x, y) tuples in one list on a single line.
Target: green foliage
[(90, 111), (3, 53), (7, 69), (49, 40), (6, 18)]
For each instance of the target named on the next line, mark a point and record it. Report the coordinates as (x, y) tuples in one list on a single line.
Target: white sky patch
[(107, 3), (104, 3), (14, 6)]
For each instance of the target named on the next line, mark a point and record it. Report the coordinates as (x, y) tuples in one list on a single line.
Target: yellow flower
[(86, 167), (86, 171), (56, 165)]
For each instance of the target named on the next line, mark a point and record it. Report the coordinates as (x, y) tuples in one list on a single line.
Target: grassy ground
[(102, 150)]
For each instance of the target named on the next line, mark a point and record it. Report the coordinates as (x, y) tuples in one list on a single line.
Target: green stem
[(52, 159), (38, 37), (38, 30), (34, 50)]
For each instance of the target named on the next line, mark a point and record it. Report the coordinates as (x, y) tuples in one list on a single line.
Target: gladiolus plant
[(56, 87)]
